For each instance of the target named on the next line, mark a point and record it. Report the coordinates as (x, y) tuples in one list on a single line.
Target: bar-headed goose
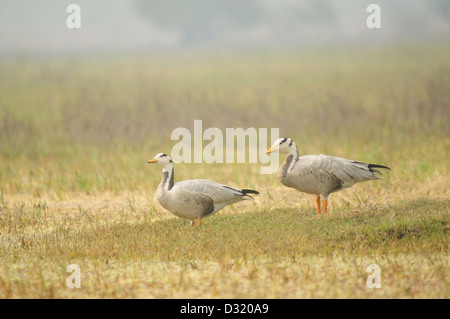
[(320, 174), (197, 198)]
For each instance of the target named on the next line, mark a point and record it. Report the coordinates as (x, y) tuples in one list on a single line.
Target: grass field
[(75, 186)]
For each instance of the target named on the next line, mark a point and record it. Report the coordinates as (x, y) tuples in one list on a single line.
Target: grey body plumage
[(320, 175), (194, 199)]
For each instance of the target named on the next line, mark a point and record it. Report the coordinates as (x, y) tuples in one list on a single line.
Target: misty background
[(39, 27)]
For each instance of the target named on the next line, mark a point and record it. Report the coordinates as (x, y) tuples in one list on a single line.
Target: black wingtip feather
[(372, 168), (377, 166), (249, 191), (245, 192)]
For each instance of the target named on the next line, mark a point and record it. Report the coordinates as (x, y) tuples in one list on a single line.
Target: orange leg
[(318, 204), (192, 223), (199, 222), (325, 205)]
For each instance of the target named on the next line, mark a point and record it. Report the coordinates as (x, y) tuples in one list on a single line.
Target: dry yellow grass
[(129, 247)]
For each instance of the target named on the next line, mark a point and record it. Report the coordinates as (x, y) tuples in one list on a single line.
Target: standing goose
[(197, 198), (320, 174)]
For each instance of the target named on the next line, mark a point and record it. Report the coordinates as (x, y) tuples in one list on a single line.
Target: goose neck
[(287, 165), (167, 180), (294, 151)]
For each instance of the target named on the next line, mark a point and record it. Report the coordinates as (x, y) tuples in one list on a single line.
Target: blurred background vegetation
[(82, 109)]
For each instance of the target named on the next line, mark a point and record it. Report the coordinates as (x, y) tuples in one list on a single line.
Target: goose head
[(283, 145), (163, 160)]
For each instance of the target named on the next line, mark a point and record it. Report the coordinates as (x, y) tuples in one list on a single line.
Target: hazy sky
[(39, 26)]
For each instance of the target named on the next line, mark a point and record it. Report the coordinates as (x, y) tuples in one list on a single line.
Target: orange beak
[(153, 160)]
